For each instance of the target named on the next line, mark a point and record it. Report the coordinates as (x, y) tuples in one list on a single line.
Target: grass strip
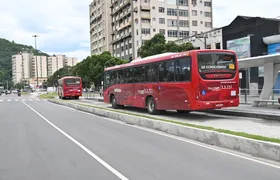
[(51, 95)]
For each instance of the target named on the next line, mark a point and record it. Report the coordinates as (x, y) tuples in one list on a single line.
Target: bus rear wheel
[(151, 106), (114, 102)]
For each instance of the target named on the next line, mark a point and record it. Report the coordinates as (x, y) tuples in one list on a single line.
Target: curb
[(253, 147)]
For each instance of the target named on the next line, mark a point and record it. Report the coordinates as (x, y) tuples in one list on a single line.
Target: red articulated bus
[(187, 81), (70, 87)]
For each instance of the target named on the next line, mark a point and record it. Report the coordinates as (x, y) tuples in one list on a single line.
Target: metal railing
[(248, 96), (92, 94)]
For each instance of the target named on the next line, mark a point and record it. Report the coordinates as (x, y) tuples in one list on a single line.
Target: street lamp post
[(35, 36)]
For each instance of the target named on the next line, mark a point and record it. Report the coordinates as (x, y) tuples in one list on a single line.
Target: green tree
[(158, 45)]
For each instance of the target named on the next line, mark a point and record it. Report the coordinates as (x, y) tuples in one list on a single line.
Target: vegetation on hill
[(7, 50)]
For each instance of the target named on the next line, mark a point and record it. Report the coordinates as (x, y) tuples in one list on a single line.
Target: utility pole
[(35, 36)]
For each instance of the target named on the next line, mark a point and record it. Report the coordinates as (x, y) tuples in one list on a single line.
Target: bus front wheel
[(114, 102), (151, 106)]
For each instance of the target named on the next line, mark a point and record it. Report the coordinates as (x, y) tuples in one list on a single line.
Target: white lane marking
[(184, 140), (16, 99), (106, 165), (30, 100), (23, 100), (1, 100), (9, 100)]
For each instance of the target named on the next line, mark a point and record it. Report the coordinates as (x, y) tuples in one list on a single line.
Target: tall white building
[(133, 22), (21, 64), (24, 66), (100, 22), (59, 61)]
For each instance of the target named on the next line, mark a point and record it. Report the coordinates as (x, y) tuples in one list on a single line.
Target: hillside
[(7, 49)]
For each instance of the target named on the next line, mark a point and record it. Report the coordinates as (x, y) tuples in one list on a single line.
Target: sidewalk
[(269, 112)]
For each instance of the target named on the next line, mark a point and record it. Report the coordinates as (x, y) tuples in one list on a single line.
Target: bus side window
[(128, 75), (166, 71), (183, 69), (107, 79), (151, 73), (120, 76), (113, 77), (139, 74)]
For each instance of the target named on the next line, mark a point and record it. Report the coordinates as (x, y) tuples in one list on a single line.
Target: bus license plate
[(219, 105)]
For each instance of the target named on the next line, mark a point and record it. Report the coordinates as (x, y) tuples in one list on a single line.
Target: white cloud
[(63, 25), (224, 11)]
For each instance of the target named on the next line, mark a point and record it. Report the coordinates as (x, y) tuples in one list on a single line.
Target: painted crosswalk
[(20, 100)]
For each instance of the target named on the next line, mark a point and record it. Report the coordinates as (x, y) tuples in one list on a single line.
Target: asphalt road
[(40, 140)]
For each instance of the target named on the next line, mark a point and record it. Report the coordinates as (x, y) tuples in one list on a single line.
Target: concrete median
[(253, 147)]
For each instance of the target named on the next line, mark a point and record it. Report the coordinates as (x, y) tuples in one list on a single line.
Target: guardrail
[(248, 96)]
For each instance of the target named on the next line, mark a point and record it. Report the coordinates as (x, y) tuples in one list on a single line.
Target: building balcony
[(145, 7), (124, 4), (124, 36), (125, 25)]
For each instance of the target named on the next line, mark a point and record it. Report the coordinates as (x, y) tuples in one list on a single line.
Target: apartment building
[(24, 66), (134, 22), (100, 23), (42, 67), (21, 64)]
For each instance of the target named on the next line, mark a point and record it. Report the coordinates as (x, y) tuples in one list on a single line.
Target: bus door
[(165, 88), (128, 88), (139, 86)]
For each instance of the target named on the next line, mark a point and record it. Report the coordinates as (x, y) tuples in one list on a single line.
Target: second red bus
[(70, 87)]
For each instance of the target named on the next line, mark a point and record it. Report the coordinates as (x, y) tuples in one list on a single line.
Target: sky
[(63, 25)]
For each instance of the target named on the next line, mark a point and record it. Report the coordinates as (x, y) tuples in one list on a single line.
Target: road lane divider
[(102, 162), (208, 135)]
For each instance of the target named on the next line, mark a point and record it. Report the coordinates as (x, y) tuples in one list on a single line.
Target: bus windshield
[(72, 82), (215, 65)]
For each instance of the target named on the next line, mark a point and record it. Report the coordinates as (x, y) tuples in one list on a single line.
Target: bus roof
[(161, 57)]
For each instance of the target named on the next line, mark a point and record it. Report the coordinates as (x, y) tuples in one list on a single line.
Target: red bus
[(70, 87), (187, 81)]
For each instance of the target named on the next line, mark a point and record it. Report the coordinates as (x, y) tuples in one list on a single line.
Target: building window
[(183, 23), (162, 31), (207, 14), (183, 34), (194, 23), (218, 45), (201, 22), (172, 2), (183, 2), (161, 21), (146, 31), (154, 7), (172, 33), (154, 30), (208, 24), (171, 22), (171, 12), (207, 4), (154, 19), (194, 12), (183, 13), (161, 9), (194, 32), (194, 2), (145, 21)]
